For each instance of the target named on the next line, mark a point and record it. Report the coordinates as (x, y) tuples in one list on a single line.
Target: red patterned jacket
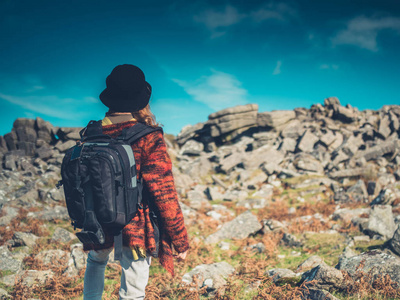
[(153, 164)]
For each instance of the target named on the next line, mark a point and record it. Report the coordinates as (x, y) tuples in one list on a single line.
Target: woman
[(127, 96)]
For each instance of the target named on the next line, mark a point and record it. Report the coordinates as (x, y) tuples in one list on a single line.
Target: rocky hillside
[(301, 204)]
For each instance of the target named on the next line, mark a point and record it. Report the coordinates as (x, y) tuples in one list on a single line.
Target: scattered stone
[(290, 240), (61, 235), (280, 276), (28, 277), (192, 147), (51, 214), (275, 118), (326, 277), (239, 228), (213, 275), (375, 262), (7, 261), (77, 260), (307, 142), (24, 239), (310, 263), (381, 222), (253, 203)]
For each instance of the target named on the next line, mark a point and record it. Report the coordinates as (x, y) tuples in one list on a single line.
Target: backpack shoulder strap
[(134, 133), (92, 128)]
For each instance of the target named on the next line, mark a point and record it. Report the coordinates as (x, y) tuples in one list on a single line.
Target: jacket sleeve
[(156, 170)]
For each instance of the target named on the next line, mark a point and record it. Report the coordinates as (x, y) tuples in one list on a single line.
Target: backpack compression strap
[(132, 134)]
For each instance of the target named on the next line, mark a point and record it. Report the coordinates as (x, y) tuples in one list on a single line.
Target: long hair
[(146, 116)]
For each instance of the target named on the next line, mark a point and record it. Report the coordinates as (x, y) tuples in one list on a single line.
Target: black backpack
[(100, 183)]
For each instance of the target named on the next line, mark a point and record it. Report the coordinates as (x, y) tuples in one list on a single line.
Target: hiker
[(127, 96)]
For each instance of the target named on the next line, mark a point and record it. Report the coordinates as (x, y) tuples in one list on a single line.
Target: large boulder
[(239, 228), (326, 277), (231, 119), (381, 222), (307, 142), (275, 118), (375, 262), (212, 275)]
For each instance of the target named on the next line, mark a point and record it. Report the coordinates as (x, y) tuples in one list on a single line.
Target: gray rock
[(375, 262), (239, 228), (288, 145), (11, 140), (28, 277), (275, 118), (379, 150), (8, 213), (381, 222), (4, 295), (188, 132), (192, 147), (24, 239), (281, 275), (258, 248), (26, 134), (384, 126), (354, 172), (51, 214), (331, 102), (254, 159), (52, 257), (45, 152), (266, 192), (317, 294), (293, 129), (307, 142), (331, 140), (61, 235), (28, 147), (326, 277), (64, 146), (253, 203), (228, 163), (347, 214), (235, 195), (197, 168), (358, 192), (233, 110), (7, 261), (310, 263), (343, 114), (307, 162), (213, 275), (214, 193), (373, 188), (395, 241), (270, 225), (56, 194), (77, 260), (290, 240)]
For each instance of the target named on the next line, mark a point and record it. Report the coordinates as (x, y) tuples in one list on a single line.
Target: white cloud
[(217, 91), (277, 69), (52, 106), (362, 32), (274, 11), (216, 19), (329, 67)]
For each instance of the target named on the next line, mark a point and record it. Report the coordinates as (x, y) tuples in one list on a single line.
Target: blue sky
[(199, 56)]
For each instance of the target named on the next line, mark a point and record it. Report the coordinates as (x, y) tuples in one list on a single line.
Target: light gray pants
[(134, 277)]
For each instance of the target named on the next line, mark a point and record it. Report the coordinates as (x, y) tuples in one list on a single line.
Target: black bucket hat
[(127, 90)]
